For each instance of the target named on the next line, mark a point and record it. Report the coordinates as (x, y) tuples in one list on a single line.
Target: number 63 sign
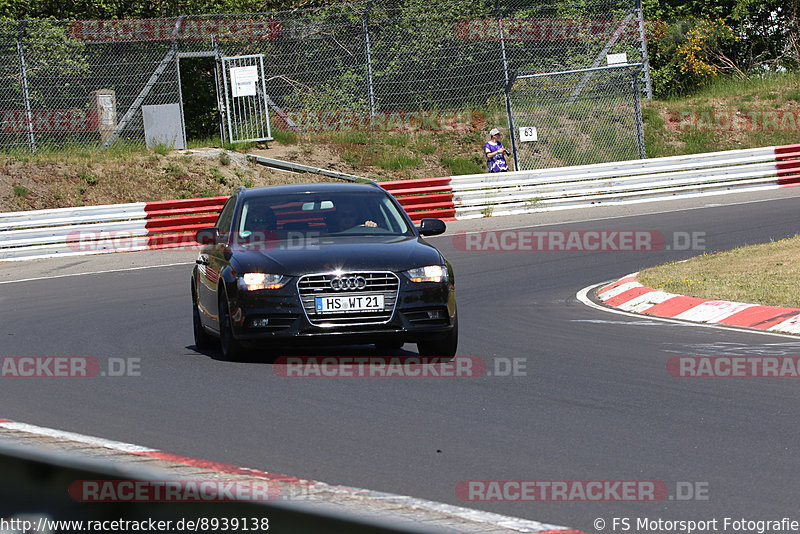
[(528, 133)]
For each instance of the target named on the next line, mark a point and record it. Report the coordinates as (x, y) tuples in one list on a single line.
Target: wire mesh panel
[(360, 64), (600, 123), (319, 62), (563, 36), (422, 60), (13, 125)]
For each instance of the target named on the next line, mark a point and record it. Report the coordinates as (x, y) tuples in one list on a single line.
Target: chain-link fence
[(578, 117), (373, 65)]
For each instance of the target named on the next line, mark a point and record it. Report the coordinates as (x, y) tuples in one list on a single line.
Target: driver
[(261, 219), (348, 216), (259, 225)]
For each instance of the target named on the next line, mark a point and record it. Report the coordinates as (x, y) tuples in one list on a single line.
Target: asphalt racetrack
[(592, 399)]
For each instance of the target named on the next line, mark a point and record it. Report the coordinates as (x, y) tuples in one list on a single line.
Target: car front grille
[(319, 285)]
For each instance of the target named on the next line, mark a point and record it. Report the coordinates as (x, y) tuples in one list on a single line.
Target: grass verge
[(128, 172), (766, 274), (73, 177), (727, 114)]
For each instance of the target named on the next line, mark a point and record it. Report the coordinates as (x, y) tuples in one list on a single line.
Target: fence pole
[(507, 88), (370, 89), (648, 85), (26, 97), (222, 104), (637, 106)]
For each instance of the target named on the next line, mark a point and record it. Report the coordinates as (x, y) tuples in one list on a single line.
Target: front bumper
[(277, 317)]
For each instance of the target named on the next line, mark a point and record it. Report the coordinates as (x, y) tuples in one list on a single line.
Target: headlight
[(255, 281), (431, 273)]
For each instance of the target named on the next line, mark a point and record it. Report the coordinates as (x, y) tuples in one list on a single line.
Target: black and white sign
[(528, 133)]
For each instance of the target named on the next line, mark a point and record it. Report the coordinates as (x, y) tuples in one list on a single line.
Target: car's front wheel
[(444, 347), (232, 349)]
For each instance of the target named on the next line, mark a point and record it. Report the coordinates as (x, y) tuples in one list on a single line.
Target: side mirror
[(207, 236), (431, 227)]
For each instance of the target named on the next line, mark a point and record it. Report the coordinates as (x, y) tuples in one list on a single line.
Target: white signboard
[(243, 80), (528, 133), (106, 105), (617, 59)]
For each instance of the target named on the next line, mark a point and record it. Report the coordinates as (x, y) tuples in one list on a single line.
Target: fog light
[(260, 322), (436, 314)]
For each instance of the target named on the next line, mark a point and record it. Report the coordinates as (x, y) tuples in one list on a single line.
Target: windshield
[(288, 216)]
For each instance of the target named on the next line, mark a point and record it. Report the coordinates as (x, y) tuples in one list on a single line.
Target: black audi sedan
[(323, 264)]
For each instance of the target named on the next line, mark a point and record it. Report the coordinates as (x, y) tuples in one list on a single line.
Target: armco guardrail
[(425, 197), (300, 168), (641, 180), (100, 229), (37, 490), (140, 226), (152, 225)]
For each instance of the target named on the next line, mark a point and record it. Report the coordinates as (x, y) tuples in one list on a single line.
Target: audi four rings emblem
[(348, 283)]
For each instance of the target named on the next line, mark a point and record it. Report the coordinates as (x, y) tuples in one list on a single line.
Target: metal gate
[(577, 117), (245, 113)]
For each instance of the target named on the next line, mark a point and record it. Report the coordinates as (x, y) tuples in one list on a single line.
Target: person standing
[(495, 152)]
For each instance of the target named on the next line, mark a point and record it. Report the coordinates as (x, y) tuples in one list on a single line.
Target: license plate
[(349, 303)]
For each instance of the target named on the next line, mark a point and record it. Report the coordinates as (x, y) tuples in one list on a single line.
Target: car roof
[(312, 188)]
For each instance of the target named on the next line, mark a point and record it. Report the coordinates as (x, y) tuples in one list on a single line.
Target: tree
[(764, 37)]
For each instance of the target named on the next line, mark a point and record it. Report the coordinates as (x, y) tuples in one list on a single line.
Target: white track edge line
[(505, 521), (94, 272), (72, 436)]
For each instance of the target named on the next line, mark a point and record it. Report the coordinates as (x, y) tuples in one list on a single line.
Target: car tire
[(232, 350), (442, 347)]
